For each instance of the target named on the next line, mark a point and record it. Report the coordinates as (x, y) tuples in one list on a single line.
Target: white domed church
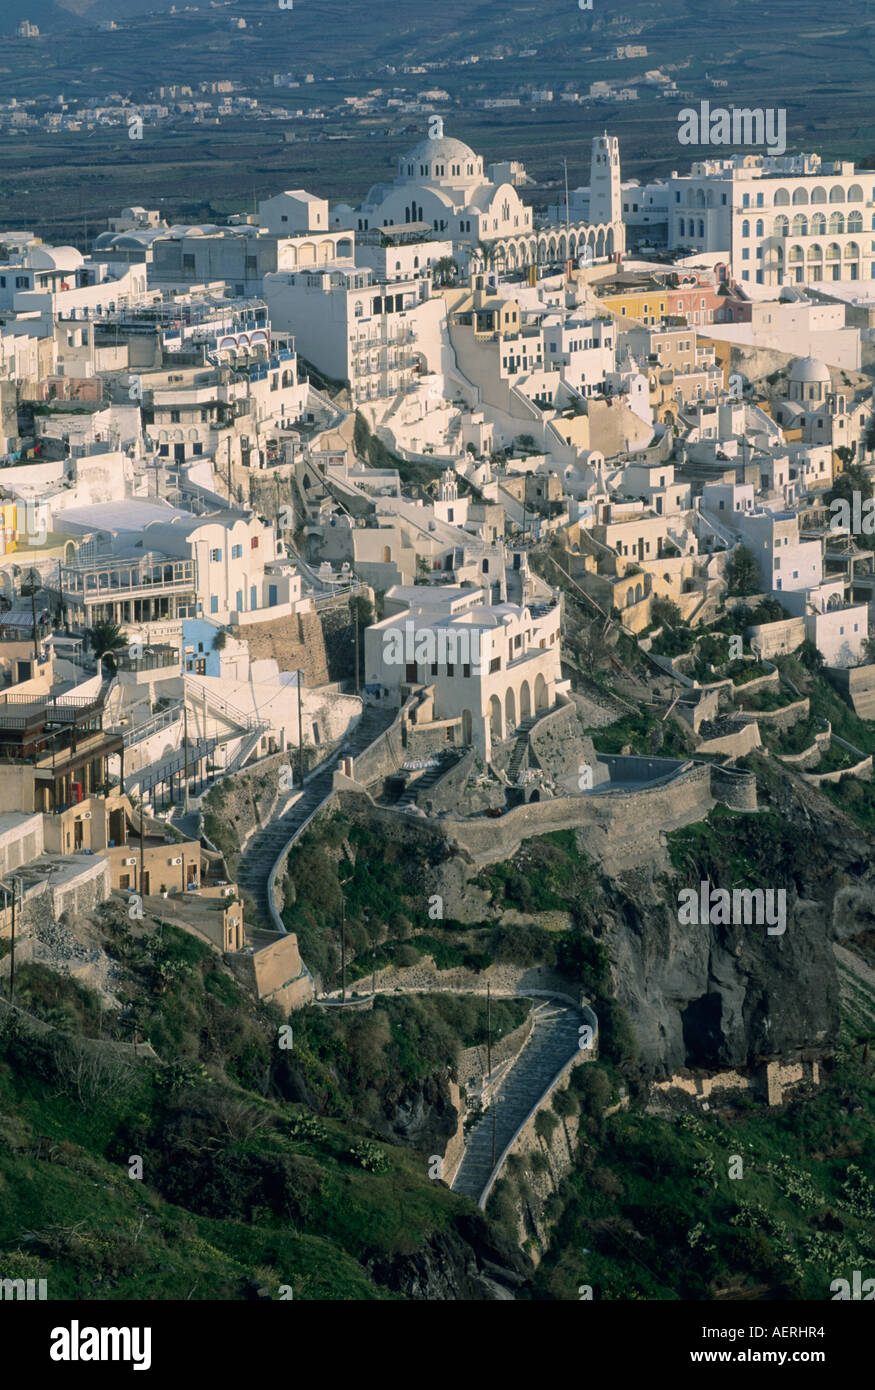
[(441, 186)]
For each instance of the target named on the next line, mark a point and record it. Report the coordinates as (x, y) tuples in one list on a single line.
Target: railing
[(149, 661), (159, 721), (250, 722)]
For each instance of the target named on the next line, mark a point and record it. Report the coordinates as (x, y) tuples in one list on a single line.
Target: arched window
[(782, 198), (782, 225), (760, 228), (818, 194), (800, 225), (855, 222), (855, 193), (745, 228), (836, 194), (818, 224), (837, 222), (800, 197)]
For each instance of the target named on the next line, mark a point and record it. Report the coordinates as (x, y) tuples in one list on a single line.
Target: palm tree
[(445, 271), (30, 587), (107, 639)]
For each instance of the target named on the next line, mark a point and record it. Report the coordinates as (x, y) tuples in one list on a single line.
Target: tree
[(853, 478), (810, 656), (664, 611), (107, 639), (446, 271), (566, 1104), (742, 573), (546, 1124)]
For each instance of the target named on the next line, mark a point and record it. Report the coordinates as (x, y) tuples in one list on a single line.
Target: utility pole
[(353, 607), (12, 946), (185, 748), (488, 1031), (494, 1104), (142, 795), (342, 946), (565, 166), (300, 731)]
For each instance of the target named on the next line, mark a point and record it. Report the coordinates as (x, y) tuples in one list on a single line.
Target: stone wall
[(614, 825), (384, 756), (778, 718), (856, 685), (275, 973), (339, 641), (46, 902), (734, 788), (778, 639), (619, 828), (771, 1082), (295, 642), (472, 1064), (248, 799), (745, 738), (534, 1229)]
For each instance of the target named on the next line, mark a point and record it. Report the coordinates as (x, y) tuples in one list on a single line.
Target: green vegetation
[(645, 734), (768, 699), (545, 873), (733, 847), (653, 1212), (856, 796), (742, 573)]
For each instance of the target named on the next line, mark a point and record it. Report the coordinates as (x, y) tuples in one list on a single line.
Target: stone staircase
[(521, 734), (423, 783), (267, 844), (553, 1042)]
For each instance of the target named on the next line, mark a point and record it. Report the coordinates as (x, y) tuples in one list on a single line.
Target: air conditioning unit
[(86, 815), (178, 860), (133, 860)]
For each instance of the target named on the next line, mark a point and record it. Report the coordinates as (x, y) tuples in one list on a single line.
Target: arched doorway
[(495, 718), (525, 701), (540, 694), (509, 713)]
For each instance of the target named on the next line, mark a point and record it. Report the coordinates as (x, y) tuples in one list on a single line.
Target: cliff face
[(468, 1260), (716, 995)]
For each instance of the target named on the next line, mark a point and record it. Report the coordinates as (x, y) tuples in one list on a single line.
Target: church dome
[(443, 148), (810, 369), (443, 161)]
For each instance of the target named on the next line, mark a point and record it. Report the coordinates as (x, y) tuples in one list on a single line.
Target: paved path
[(553, 1043), (266, 845)]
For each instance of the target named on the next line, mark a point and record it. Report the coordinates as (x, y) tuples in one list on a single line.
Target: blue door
[(253, 596), (239, 600), (271, 595)]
